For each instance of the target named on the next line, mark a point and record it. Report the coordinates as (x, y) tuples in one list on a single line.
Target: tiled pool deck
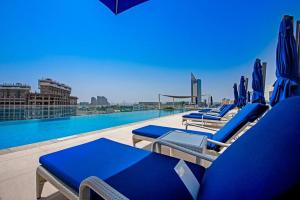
[(18, 165)]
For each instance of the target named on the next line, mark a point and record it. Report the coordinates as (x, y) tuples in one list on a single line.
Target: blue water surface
[(16, 133)]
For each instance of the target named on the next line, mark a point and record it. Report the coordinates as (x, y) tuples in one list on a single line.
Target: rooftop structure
[(49, 86), (14, 86)]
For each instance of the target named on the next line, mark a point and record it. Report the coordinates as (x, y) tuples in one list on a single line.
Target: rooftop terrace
[(18, 165)]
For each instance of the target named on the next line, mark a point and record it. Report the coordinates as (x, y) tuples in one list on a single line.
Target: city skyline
[(140, 53)]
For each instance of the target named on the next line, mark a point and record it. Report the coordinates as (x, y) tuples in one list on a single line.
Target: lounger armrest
[(218, 143), (217, 120), (211, 115), (209, 125), (100, 187), (185, 150), (199, 126)]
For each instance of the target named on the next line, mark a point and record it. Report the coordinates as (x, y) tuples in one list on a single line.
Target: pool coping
[(57, 140)]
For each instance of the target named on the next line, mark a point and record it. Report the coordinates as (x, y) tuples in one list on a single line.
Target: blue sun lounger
[(263, 163), (213, 110), (248, 114), (209, 117)]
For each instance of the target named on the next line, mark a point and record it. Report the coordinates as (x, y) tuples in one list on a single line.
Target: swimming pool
[(17, 133)]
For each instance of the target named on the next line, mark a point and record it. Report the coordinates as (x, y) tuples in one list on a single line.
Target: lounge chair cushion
[(136, 173), (263, 163), (154, 131)]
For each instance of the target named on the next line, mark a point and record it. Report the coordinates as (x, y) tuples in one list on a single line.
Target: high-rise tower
[(196, 91)]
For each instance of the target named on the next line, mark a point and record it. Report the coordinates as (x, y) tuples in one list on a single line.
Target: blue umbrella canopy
[(258, 83), (242, 93), (118, 6), (236, 94), (287, 66)]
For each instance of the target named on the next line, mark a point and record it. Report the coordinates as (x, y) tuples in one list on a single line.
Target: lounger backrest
[(226, 110), (247, 114), (222, 107), (264, 163)]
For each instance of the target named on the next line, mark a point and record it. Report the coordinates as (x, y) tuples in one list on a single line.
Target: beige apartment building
[(54, 100)]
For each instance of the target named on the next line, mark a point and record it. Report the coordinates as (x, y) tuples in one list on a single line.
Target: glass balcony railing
[(24, 112)]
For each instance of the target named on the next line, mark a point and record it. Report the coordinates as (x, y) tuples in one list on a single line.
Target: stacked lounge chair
[(248, 114), (262, 164), (215, 118), (212, 110)]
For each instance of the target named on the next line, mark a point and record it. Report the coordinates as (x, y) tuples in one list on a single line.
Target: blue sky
[(144, 51)]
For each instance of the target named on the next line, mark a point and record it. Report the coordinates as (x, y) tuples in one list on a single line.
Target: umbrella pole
[(264, 73), (246, 84), (298, 41), (117, 6)]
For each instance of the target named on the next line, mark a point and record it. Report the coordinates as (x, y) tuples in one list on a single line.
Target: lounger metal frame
[(96, 184), (210, 125)]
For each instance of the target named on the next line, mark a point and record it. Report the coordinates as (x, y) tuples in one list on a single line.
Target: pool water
[(17, 133)]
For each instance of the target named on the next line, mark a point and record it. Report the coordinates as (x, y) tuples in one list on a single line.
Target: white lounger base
[(91, 183)]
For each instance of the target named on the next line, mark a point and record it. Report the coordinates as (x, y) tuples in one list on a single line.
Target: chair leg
[(198, 161), (40, 181), (171, 152), (158, 150), (134, 141)]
